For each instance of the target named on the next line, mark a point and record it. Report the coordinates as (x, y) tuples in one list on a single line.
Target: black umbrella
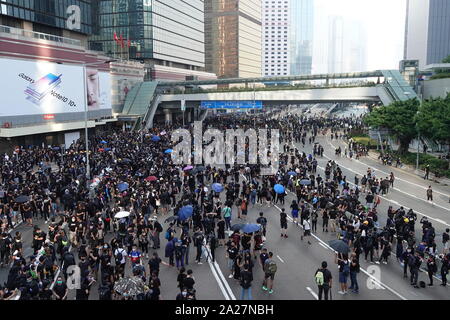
[(339, 245), (22, 199), (170, 219), (237, 227)]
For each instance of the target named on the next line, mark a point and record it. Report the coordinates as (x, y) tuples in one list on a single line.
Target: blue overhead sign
[(231, 104)]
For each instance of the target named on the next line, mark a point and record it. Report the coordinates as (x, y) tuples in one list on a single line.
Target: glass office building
[(163, 32), (47, 16), (301, 36), (427, 31), (233, 38)]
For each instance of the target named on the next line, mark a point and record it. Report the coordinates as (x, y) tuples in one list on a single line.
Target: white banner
[(39, 87)]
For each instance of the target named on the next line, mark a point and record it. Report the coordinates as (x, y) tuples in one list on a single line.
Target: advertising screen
[(39, 87)]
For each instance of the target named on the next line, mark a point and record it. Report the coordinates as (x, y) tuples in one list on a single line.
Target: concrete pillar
[(188, 115), (168, 116), (27, 26)]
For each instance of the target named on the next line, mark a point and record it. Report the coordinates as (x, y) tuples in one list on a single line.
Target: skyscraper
[(161, 32), (301, 36), (335, 44), (288, 37), (233, 38), (427, 31), (276, 30)]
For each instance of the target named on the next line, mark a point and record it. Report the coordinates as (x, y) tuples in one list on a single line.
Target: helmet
[(406, 220)]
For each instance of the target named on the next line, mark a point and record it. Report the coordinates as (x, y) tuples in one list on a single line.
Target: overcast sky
[(383, 20)]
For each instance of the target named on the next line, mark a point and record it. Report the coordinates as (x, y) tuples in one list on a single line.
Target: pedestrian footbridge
[(148, 98)]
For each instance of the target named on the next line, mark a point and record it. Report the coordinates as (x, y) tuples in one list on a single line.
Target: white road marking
[(323, 245), (396, 189), (396, 178), (313, 293), (226, 291), (396, 202), (381, 284), (280, 258)]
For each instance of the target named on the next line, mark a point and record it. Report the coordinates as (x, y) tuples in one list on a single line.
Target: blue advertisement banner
[(231, 104)]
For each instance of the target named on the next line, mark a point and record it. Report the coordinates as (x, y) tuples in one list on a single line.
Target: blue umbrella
[(185, 212), (122, 186), (56, 148), (156, 138), (251, 227), (217, 187), (107, 149), (103, 141), (168, 151), (278, 188), (292, 173)]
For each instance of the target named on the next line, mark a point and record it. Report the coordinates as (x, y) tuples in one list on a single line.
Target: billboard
[(40, 87), (231, 104)]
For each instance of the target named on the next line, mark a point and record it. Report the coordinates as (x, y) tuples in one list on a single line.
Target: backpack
[(411, 260), (104, 293), (271, 267), (346, 269), (69, 259), (167, 235), (319, 277), (119, 257)]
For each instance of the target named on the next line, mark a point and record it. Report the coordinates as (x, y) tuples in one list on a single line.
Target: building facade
[(233, 38), (301, 36), (63, 18), (158, 32), (276, 31), (427, 31), (335, 44)]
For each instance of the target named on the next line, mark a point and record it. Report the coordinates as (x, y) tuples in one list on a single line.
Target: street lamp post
[(88, 167), (418, 134)]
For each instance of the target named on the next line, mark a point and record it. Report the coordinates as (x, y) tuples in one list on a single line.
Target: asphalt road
[(297, 261)]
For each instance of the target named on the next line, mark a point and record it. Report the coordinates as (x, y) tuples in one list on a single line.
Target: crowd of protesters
[(133, 173)]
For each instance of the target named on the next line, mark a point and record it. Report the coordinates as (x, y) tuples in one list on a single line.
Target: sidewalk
[(411, 169)]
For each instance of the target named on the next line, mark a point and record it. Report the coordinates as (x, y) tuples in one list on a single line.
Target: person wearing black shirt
[(189, 281), (263, 222), (221, 231), (231, 254), (327, 281), (60, 290), (38, 239), (283, 223), (354, 270), (180, 278), (154, 263), (246, 278)]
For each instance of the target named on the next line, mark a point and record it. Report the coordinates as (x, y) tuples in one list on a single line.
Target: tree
[(446, 60), (399, 118), (433, 119)]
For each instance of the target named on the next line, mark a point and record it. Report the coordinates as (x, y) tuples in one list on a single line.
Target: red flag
[(121, 41), (115, 37)]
